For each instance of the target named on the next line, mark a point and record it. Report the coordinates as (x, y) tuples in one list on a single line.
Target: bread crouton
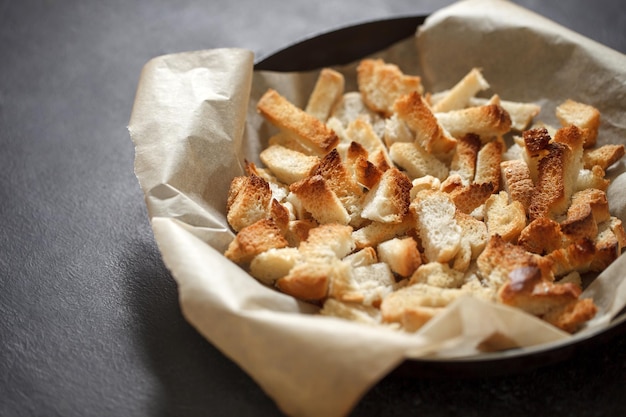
[(416, 161), (584, 116), (288, 165), (402, 255), (310, 280), (587, 209), (486, 121), (362, 132), (318, 199), (436, 223), (252, 240), (286, 116), (504, 218), (273, 264), (558, 304), (609, 243), (328, 89), (437, 274), (365, 172), (248, 201), (367, 284), (382, 83), (554, 186), (465, 157), (488, 164), (603, 156), (516, 181), (376, 232), (388, 201), (541, 236), (468, 198), (521, 114), (415, 112), (459, 96), (413, 306)]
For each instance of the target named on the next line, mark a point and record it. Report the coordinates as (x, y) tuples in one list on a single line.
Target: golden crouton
[(381, 84), (286, 116), (582, 115), (326, 93)]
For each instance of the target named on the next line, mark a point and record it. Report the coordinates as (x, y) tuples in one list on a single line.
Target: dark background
[(89, 317)]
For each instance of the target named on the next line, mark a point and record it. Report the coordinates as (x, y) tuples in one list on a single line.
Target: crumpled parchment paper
[(194, 122)]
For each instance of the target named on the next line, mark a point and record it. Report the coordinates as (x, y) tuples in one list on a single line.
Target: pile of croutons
[(384, 205)]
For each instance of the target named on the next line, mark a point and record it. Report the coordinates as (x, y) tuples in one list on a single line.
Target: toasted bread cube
[(584, 116), (286, 116), (248, 201), (326, 93), (487, 121), (415, 112), (488, 164), (362, 132), (402, 255), (459, 96), (416, 161), (516, 181), (521, 114), (288, 165), (465, 158), (381, 84), (320, 201), (253, 240), (541, 236), (604, 156), (273, 264), (439, 232), (504, 218), (388, 201)]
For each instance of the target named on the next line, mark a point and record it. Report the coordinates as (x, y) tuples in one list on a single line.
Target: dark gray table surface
[(90, 323)]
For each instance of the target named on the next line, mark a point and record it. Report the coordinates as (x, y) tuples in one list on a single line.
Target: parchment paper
[(193, 123)]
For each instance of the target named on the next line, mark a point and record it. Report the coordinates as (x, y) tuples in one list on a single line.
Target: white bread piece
[(401, 254), (587, 210), (486, 121), (459, 96), (351, 107), (287, 117), (609, 243), (311, 279), (320, 201), (557, 174), (582, 115), (362, 132), (521, 114), (416, 161), (279, 189), (342, 182), (427, 182), (328, 89), (396, 131), (592, 178), (381, 84), (328, 241), (287, 165), (438, 230), (273, 264), (364, 171), (355, 312), (362, 257), (541, 236), (364, 284), (248, 201), (439, 275), (414, 305), (516, 181), (413, 110), (465, 157), (376, 232), (503, 217), (488, 164), (253, 240), (388, 201), (474, 232)]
